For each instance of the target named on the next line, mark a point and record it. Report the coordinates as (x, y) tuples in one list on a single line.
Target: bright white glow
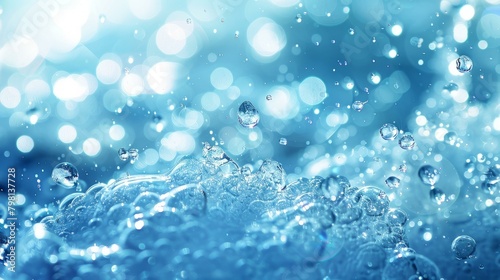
[(284, 3), (39, 230), (266, 37), (460, 95), (396, 30), (25, 144), (108, 71), (151, 156), (496, 124), (440, 133), (421, 120), (116, 132), (284, 104), (179, 141), (427, 236), (20, 199), (312, 90), (145, 9), (210, 101), (36, 89), (91, 147), (132, 84), (161, 77), (67, 133), (393, 53), (460, 33), (221, 78), (73, 87), (467, 12), (193, 119), (171, 38), (139, 224), (10, 97), (19, 52), (482, 44)]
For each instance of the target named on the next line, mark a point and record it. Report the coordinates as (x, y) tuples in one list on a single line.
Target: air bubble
[(65, 175), (374, 201), (333, 188), (358, 105), (283, 141), (463, 247)]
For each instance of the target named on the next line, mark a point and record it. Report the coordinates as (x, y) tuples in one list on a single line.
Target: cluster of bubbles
[(210, 218)]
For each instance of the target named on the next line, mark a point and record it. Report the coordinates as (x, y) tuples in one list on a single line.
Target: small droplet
[(65, 175), (429, 175), (392, 182), (451, 138), (236, 34), (437, 196), (358, 105), (298, 18), (248, 116), (133, 155), (269, 97), (464, 64), (189, 20), (463, 247), (102, 19), (389, 131), (403, 168), (351, 31), (123, 154), (407, 142), (283, 141)]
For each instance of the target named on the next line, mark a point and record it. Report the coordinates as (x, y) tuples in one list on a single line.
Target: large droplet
[(429, 175), (437, 196), (463, 247), (464, 64), (392, 182), (388, 131), (65, 175), (248, 116)]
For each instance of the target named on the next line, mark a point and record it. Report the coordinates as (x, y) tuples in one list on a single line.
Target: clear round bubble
[(409, 265), (248, 116), (464, 64), (373, 201), (388, 131), (407, 142), (65, 175), (396, 217), (393, 182), (428, 174), (463, 247)]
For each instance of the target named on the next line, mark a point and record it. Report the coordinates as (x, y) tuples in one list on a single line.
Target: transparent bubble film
[(231, 139)]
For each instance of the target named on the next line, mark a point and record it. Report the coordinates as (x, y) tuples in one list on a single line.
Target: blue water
[(231, 139)]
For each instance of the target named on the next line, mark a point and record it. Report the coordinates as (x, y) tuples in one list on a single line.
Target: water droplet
[(389, 131), (248, 116), (123, 154), (464, 64), (133, 154), (269, 97), (451, 138), (236, 34), (358, 105), (407, 142), (451, 87), (374, 201), (214, 155), (492, 179), (333, 188), (351, 31), (102, 19), (283, 141), (429, 175), (403, 168), (65, 175), (437, 196), (298, 18), (189, 20), (463, 247), (392, 182)]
